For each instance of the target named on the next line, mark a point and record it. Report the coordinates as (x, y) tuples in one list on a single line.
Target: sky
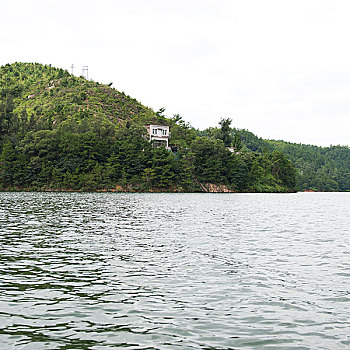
[(279, 68)]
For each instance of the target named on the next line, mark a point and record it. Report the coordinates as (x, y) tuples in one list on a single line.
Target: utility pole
[(86, 69), (72, 68)]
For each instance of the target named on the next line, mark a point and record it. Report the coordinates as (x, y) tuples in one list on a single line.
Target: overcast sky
[(279, 68)]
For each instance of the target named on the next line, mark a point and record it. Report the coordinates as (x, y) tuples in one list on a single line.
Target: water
[(174, 271)]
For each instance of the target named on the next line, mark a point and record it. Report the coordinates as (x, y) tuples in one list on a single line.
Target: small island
[(59, 132)]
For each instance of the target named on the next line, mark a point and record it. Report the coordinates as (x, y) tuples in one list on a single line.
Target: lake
[(174, 271)]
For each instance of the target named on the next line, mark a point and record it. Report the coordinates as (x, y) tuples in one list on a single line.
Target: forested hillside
[(318, 168), (61, 132)]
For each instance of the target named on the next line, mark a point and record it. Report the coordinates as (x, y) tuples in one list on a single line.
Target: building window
[(164, 132), (154, 131)]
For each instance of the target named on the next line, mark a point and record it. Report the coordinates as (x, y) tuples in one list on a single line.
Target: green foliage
[(237, 141), (317, 168), (208, 159), (51, 91), (225, 131), (58, 131), (182, 133)]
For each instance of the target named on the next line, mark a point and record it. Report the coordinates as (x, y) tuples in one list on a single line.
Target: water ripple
[(174, 271)]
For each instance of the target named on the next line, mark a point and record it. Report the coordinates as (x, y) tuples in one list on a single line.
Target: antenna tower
[(86, 69)]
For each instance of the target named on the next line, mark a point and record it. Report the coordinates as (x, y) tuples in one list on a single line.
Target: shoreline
[(113, 190)]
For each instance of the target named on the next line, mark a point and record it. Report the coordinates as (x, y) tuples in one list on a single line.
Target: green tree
[(225, 131), (209, 159), (7, 162), (237, 141)]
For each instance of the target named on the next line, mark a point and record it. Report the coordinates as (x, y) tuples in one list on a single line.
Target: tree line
[(59, 132), (81, 156)]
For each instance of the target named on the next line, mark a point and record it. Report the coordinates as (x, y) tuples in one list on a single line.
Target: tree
[(6, 115), (209, 159), (225, 132), (7, 158), (237, 142)]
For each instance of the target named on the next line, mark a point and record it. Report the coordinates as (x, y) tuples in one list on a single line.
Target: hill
[(53, 95), (318, 168), (61, 132)]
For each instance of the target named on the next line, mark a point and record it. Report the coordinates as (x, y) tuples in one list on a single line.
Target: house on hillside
[(159, 134)]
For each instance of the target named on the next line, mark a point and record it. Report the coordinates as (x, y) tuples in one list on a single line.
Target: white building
[(159, 134)]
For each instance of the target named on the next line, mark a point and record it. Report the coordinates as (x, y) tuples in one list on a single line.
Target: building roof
[(157, 125)]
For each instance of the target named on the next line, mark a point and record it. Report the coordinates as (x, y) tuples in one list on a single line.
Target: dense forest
[(318, 168), (62, 132)]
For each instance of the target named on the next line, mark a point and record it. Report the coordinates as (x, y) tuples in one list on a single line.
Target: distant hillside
[(318, 168)]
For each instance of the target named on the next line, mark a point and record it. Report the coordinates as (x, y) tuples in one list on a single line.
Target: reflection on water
[(174, 271)]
